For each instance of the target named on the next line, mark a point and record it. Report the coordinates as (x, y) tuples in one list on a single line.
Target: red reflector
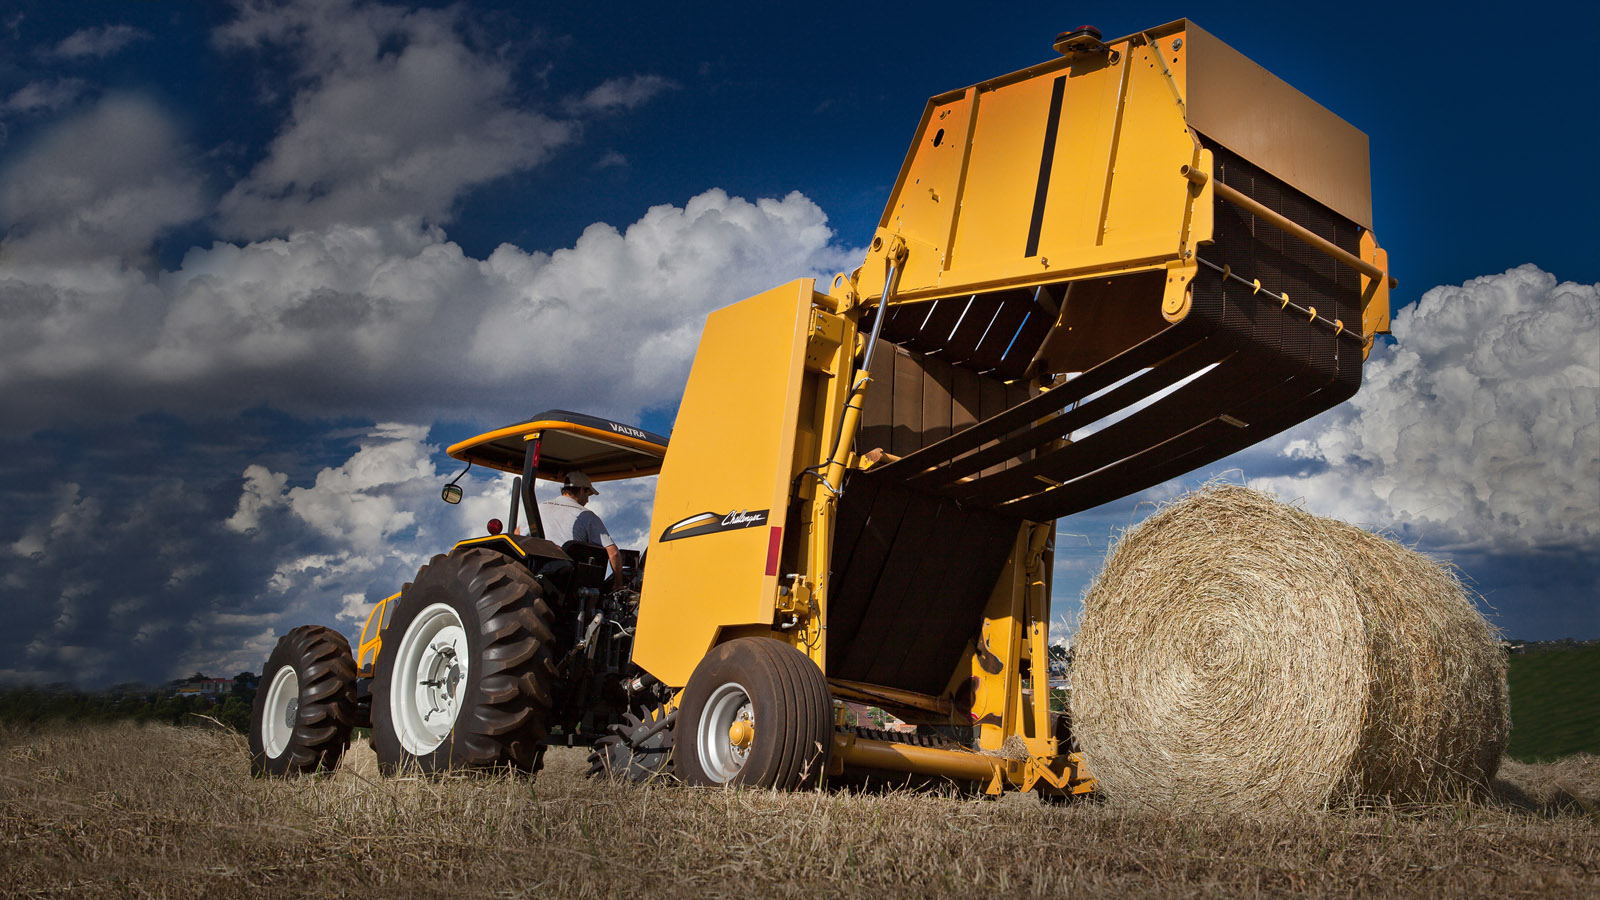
[(774, 547), (495, 526)]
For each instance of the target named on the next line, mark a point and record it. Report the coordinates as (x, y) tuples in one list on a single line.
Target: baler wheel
[(306, 705), (466, 674), (637, 750), (756, 713)]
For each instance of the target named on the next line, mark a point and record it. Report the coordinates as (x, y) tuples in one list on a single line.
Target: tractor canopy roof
[(603, 449)]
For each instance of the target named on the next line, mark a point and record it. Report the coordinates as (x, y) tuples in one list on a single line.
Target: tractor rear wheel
[(306, 705), (756, 713), (466, 672)]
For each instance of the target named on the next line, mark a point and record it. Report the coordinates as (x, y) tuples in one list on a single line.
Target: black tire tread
[(787, 770), (794, 716), (503, 719), (327, 702)]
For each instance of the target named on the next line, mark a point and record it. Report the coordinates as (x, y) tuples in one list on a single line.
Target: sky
[(261, 262)]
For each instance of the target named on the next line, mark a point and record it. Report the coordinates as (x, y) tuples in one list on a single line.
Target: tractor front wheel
[(466, 673), (756, 713), (306, 704)]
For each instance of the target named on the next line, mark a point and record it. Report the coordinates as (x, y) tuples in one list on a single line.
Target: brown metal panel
[(877, 413), (907, 404), (885, 608), (983, 555), (992, 402), (914, 572), (871, 520), (937, 382), (1016, 393), (913, 595), (1200, 401), (1262, 118), (1104, 317), (964, 399), (961, 582)]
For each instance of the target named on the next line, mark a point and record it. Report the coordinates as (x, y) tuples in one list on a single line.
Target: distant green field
[(1555, 702)]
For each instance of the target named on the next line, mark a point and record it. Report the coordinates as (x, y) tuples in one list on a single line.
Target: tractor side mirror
[(452, 491)]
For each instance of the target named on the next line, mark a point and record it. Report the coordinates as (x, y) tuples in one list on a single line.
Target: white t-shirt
[(566, 520)]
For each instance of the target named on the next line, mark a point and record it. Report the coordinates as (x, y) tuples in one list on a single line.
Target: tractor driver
[(565, 519)]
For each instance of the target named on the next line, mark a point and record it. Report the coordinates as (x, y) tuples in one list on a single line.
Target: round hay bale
[(1239, 654)]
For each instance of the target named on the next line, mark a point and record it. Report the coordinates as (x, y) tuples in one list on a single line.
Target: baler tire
[(499, 710), (305, 706), (775, 687)]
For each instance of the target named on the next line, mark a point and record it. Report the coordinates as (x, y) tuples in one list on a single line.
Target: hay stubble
[(118, 810)]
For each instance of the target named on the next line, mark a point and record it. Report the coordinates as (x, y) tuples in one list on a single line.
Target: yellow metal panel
[(998, 697), (924, 209), (731, 452), (1375, 314), (1148, 190), (372, 635), (1003, 177), (1112, 200), (1202, 210), (1078, 172), (1259, 116)]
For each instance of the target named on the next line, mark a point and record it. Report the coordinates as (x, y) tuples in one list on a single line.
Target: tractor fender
[(517, 547)]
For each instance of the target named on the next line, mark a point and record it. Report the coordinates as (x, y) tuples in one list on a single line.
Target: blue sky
[(260, 262)]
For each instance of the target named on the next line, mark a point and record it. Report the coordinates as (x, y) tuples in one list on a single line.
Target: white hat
[(576, 479)]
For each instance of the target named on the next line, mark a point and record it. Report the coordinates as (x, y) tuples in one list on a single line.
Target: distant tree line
[(35, 704)]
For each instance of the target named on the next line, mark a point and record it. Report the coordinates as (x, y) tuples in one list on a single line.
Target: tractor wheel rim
[(278, 715), (721, 758), (431, 666)]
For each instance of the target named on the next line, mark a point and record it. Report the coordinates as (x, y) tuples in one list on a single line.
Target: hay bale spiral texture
[(1236, 653)]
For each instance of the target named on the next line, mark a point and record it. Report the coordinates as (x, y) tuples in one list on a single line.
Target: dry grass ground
[(131, 811)]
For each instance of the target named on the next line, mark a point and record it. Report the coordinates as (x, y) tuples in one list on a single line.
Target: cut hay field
[(122, 810)]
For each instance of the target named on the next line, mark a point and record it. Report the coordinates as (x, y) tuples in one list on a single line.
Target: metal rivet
[(1177, 43)]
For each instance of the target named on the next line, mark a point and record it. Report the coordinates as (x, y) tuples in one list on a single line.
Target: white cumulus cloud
[(362, 502), (263, 489), (101, 184), (618, 316), (394, 114), (397, 321), (1480, 427)]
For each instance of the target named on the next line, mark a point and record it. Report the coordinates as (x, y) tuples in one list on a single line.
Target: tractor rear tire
[(781, 695), (305, 706), (466, 674)]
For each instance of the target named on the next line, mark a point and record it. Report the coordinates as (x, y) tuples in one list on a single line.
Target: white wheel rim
[(430, 679), (721, 758), (278, 716)]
